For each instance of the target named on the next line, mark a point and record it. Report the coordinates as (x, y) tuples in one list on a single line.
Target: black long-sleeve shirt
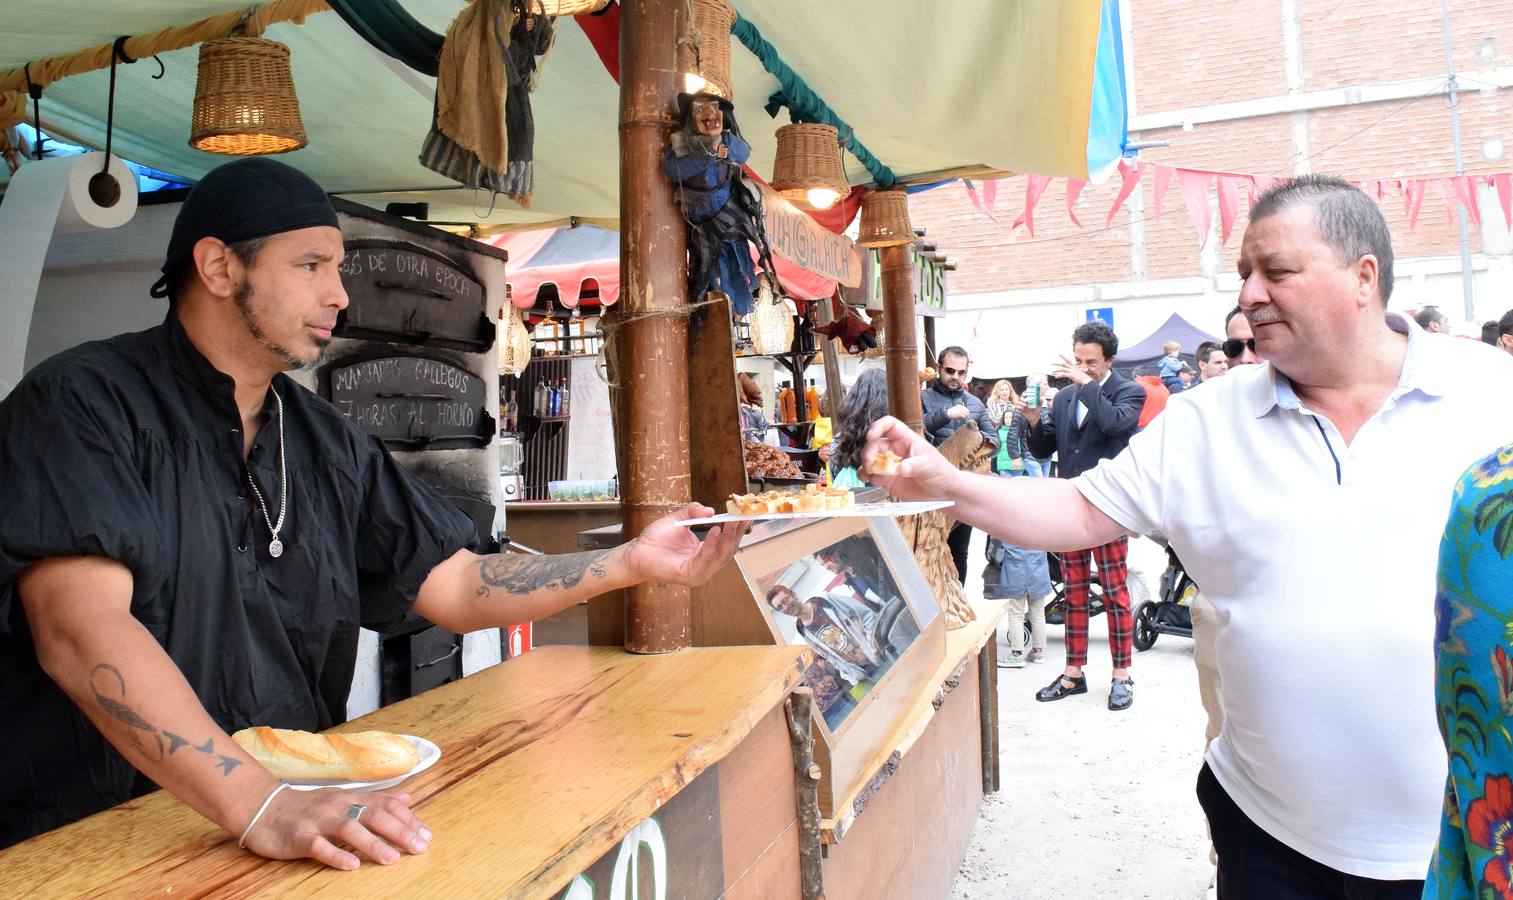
[(131, 449)]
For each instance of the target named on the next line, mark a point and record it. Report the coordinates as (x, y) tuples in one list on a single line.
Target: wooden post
[(833, 388), (652, 345), (932, 352), (900, 337), (806, 781)]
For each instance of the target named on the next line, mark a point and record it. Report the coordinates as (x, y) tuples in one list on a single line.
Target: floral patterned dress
[(1473, 646)]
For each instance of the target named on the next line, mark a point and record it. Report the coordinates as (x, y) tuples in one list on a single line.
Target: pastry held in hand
[(302, 756), (884, 463)]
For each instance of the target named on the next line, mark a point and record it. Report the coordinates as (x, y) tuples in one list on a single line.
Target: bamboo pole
[(652, 339), (900, 338), (46, 71), (833, 388)]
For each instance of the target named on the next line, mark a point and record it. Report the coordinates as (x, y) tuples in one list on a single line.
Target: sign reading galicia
[(804, 242), (411, 401)]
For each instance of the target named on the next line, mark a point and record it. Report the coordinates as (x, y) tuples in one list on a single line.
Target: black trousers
[(959, 540), (1253, 865)]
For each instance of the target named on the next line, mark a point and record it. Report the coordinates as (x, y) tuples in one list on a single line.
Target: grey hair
[(1347, 219)]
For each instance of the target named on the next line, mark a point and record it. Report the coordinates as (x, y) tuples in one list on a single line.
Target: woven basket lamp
[(244, 103), (709, 71), (885, 219), (808, 169), (770, 322), (514, 344)]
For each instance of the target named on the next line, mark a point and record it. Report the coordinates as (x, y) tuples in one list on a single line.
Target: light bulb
[(822, 198), (693, 82)]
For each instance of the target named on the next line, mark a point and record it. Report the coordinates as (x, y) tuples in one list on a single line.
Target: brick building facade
[(1272, 87)]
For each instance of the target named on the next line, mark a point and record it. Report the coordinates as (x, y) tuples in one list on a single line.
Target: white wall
[(591, 437)]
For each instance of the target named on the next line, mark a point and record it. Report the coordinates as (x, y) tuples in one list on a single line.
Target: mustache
[(1263, 317)]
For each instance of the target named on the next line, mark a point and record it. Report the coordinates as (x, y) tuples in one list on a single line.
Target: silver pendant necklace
[(275, 546)]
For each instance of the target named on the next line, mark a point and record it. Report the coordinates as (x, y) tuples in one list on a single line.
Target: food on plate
[(302, 756), (763, 461), (813, 498), (884, 463)]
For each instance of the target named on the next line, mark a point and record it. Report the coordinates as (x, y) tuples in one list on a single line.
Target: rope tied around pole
[(611, 328)]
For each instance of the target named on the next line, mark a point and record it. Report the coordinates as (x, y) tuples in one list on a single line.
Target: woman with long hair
[(864, 403)]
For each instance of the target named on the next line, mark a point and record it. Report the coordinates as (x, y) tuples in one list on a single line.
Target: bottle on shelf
[(538, 405), (563, 408), (811, 402), (789, 412), (551, 399), (511, 415)]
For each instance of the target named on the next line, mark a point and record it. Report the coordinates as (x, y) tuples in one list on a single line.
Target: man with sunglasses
[(1240, 348), (1297, 495), (948, 405)]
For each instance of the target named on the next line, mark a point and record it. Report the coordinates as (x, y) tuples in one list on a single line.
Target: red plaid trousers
[(1076, 568)]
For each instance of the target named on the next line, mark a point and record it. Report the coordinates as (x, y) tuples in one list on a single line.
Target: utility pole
[(1467, 286)]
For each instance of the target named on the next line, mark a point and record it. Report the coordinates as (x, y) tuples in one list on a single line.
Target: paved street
[(1095, 804)]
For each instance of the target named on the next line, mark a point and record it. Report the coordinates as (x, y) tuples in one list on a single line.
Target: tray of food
[(811, 502)]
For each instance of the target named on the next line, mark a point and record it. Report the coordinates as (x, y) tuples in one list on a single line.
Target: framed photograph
[(849, 590)]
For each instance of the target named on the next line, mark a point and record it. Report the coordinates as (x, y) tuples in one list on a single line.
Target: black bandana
[(242, 200)]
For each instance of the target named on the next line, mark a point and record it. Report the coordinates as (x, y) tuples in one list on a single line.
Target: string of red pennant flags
[(1197, 186)]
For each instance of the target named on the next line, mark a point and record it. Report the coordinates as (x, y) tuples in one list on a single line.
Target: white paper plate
[(868, 509), (429, 753)]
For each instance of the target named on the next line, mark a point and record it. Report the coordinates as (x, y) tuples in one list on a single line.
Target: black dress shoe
[(1119, 694), (1058, 689)]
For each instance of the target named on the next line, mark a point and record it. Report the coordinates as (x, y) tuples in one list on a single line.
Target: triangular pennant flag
[(1413, 200), (973, 196), (1441, 189), (990, 197), (1503, 183), (1033, 188), (1465, 192), (1074, 188), (1258, 186), (1229, 205), (1163, 177), (1194, 187), (1130, 173)]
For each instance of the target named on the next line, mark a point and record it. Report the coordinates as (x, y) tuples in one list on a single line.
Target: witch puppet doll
[(723, 213)]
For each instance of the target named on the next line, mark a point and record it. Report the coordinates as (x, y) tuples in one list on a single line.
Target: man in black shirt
[(191, 541)]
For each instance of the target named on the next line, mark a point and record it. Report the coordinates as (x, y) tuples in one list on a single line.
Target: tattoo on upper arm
[(106, 680), (519, 574)]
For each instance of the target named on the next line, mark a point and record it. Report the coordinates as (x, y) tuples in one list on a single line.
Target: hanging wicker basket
[(808, 159), (244, 102), (568, 7), (770, 322), (712, 21), (885, 219), (514, 344)]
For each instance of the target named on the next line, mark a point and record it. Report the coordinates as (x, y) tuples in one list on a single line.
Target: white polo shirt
[(1320, 560)]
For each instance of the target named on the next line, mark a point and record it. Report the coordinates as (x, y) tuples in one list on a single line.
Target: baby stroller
[(1055, 610), (1172, 612)]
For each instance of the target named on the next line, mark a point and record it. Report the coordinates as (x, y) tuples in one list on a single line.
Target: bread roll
[(302, 756)]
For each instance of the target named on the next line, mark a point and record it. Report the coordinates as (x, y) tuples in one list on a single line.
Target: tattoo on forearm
[(518, 574), (106, 680)]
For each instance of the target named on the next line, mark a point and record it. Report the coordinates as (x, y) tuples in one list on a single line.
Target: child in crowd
[(1171, 367)]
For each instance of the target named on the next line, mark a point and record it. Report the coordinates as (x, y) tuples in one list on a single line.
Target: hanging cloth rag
[(468, 141), (530, 39)]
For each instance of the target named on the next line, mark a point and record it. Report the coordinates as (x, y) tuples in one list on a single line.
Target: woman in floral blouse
[(1473, 646)]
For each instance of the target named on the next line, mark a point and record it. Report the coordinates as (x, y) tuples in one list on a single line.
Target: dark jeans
[(959, 540), (1253, 865)]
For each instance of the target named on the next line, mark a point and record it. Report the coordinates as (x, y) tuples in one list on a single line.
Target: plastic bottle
[(811, 402), (789, 404)]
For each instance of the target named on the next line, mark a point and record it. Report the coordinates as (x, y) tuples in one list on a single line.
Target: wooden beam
[(833, 387), (900, 338), (652, 345)]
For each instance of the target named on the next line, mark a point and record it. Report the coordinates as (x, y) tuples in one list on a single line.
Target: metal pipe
[(900, 337), (1468, 286), (652, 339)]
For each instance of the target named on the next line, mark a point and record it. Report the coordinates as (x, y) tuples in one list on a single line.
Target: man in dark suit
[(1089, 421)]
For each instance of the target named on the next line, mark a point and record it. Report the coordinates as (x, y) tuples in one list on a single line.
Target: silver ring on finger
[(355, 811)]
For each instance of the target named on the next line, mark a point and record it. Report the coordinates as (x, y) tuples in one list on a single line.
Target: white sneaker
[(1015, 660)]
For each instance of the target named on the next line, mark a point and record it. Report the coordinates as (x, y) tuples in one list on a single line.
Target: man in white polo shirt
[(1327, 777)]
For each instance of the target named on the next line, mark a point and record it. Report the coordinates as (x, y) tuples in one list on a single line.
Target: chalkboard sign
[(413, 402), (407, 294)]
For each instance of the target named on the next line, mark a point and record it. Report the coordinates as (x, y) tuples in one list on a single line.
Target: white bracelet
[(260, 810)]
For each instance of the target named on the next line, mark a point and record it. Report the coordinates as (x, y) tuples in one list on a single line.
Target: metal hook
[(162, 70)]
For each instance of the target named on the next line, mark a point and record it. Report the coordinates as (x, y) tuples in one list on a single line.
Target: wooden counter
[(548, 762)]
